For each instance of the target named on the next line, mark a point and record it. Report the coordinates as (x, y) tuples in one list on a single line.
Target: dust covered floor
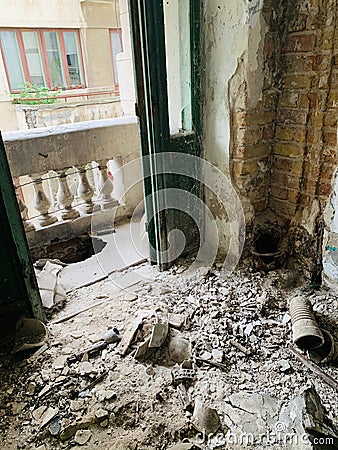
[(105, 400)]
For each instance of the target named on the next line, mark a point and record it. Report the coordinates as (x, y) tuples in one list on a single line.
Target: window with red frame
[(116, 48), (50, 58)]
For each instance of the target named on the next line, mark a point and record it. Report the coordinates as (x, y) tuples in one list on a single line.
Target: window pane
[(116, 45), (178, 55), (32, 50), (73, 60), (54, 58), (12, 57)]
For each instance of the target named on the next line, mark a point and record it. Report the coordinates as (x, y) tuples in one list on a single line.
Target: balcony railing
[(64, 176), (66, 97)]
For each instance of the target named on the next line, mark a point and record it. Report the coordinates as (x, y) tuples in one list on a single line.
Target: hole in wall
[(72, 250), (266, 250)]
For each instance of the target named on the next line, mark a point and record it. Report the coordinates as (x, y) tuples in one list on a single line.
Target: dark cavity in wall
[(73, 250)]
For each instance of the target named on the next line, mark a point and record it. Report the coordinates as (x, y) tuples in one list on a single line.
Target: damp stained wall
[(232, 80)]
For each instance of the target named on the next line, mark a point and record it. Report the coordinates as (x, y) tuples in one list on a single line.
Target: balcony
[(73, 179), (71, 106)]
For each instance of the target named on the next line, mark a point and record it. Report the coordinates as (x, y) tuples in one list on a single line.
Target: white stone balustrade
[(66, 205)]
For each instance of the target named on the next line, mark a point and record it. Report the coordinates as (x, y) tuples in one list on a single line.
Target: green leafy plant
[(32, 94)]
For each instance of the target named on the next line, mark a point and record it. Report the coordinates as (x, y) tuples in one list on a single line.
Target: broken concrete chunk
[(284, 365), (47, 280), (158, 335), (85, 367), (176, 320), (37, 413), (18, 407), (31, 388), (205, 419), (101, 414), (82, 436), (69, 429), (59, 362), (308, 417), (142, 349), (129, 335), (47, 416), (77, 405), (179, 349), (107, 395), (217, 355), (76, 334)]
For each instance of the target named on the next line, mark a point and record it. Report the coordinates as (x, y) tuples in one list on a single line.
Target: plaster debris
[(82, 436), (205, 419), (50, 289), (208, 375)]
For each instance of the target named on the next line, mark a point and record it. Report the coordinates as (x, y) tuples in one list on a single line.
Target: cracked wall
[(271, 113)]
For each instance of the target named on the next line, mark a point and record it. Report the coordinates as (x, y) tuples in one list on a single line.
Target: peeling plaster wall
[(226, 39), (330, 245), (234, 33)]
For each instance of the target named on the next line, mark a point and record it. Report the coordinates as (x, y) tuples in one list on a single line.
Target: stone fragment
[(206, 355), (106, 395), (44, 390), (284, 365), (37, 413), (129, 297), (129, 335), (18, 407), (69, 429), (158, 335), (104, 423), (101, 414), (286, 318), (76, 334), (85, 367), (142, 349), (205, 419), (179, 349), (31, 388), (60, 362), (176, 320), (217, 355), (82, 436), (47, 416), (55, 426), (77, 405)]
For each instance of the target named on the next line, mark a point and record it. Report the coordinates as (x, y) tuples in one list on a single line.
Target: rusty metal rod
[(316, 369)]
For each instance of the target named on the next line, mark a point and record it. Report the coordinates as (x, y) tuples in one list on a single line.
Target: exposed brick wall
[(253, 123), (304, 150), (284, 147)]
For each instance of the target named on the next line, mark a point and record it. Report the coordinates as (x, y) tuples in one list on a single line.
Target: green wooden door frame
[(147, 20), (23, 297)]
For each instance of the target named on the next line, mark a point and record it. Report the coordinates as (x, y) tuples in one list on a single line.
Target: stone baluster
[(85, 191), (42, 203), (65, 198), (24, 210), (105, 186)]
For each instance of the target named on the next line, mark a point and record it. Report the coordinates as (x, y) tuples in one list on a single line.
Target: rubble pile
[(185, 361)]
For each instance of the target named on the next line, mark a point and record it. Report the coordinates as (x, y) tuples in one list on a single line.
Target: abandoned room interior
[(169, 224)]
